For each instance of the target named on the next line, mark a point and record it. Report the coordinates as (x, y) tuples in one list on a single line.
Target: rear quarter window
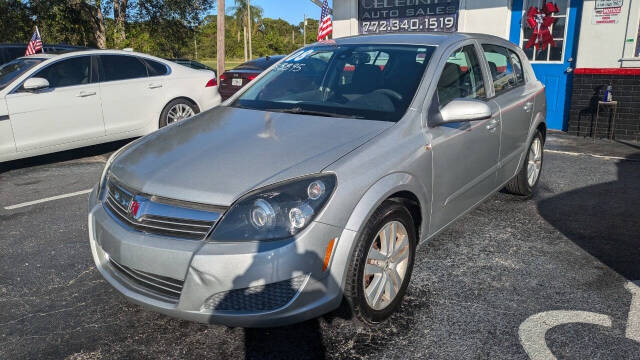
[(155, 68)]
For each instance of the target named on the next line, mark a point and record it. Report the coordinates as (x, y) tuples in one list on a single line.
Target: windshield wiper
[(301, 111)]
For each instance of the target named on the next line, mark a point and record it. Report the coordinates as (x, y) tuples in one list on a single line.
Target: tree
[(120, 18), (15, 22), (240, 16)]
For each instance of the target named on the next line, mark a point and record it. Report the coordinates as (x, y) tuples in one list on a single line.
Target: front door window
[(548, 53)]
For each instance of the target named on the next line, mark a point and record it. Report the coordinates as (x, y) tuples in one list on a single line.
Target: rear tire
[(528, 176), (384, 279), (177, 110)]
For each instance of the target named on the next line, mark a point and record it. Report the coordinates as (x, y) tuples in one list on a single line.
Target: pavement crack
[(42, 314)]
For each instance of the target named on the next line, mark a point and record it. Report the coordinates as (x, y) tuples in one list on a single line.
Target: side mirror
[(35, 83), (465, 110)]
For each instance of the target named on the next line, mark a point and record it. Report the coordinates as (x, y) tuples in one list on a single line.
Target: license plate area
[(236, 82)]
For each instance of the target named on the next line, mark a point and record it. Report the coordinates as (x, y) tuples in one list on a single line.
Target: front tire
[(380, 269), (177, 110), (528, 176)]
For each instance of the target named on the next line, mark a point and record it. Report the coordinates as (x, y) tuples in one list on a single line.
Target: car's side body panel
[(58, 119), (7, 142)]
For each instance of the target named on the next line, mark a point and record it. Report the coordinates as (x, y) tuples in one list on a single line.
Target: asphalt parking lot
[(511, 280)]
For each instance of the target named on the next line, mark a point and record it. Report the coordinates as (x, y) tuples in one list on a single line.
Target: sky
[(290, 10)]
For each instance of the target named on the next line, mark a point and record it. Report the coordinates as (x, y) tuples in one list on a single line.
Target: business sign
[(603, 4), (606, 15), (385, 16)]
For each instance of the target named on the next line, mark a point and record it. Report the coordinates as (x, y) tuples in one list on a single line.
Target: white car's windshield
[(376, 82), (13, 69)]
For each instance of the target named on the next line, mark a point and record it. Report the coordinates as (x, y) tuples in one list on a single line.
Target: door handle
[(492, 126), (86, 93), (155, 86), (528, 106)]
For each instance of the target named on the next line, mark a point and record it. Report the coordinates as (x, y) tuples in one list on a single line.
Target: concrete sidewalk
[(562, 142)]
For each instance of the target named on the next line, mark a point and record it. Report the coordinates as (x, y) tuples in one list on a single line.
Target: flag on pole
[(35, 44), (326, 25)]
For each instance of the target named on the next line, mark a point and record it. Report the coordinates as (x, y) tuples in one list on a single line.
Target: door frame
[(572, 28)]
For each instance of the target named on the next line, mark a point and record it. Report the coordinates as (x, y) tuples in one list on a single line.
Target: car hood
[(221, 154)]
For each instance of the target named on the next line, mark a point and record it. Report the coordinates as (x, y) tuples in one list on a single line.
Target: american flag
[(35, 44), (326, 26)]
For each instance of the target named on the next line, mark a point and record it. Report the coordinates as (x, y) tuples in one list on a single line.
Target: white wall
[(480, 16), (604, 45)]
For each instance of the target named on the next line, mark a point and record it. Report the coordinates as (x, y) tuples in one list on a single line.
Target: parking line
[(57, 197), (586, 154)]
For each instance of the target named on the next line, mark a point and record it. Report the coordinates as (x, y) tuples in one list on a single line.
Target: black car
[(192, 64), (233, 80), (9, 52)]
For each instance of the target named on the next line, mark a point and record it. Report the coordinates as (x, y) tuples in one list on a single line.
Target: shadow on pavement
[(603, 219), (62, 156)]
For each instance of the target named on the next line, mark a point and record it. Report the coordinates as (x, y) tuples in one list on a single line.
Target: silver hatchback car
[(317, 182)]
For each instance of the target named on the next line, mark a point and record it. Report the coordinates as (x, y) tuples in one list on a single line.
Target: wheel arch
[(398, 187)]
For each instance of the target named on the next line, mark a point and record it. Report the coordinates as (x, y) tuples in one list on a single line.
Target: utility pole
[(249, 26), (195, 46), (220, 39), (244, 32), (304, 31)]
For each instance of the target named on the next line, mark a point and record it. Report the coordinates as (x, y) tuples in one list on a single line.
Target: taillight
[(211, 83), (222, 78), (251, 77)]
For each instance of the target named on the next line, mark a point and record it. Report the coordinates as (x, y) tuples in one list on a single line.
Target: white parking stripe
[(586, 154), (532, 331), (57, 197), (633, 319)]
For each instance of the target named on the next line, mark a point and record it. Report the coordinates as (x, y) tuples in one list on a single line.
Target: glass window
[(500, 67), (155, 68), (637, 53), (13, 69), (549, 52), (122, 67), (376, 82), (69, 72), (517, 67), (461, 77)]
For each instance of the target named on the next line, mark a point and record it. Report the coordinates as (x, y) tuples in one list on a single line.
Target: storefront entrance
[(553, 65)]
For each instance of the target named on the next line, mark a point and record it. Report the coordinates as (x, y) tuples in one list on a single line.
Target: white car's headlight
[(275, 212)]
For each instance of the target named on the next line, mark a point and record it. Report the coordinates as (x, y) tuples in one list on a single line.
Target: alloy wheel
[(535, 161), (386, 265), (179, 112)]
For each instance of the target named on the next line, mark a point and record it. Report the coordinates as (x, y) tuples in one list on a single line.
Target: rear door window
[(501, 67), (122, 67)]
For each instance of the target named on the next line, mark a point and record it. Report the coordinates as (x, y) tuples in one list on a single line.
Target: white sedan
[(51, 103)]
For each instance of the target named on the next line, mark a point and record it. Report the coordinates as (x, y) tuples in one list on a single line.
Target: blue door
[(553, 65)]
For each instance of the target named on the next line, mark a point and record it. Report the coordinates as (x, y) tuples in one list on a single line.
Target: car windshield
[(13, 69), (376, 82)]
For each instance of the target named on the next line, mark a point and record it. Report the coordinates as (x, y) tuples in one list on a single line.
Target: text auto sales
[(407, 15)]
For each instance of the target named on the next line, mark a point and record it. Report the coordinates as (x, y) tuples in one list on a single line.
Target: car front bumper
[(235, 284)]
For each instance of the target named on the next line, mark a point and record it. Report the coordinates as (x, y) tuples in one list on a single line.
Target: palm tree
[(241, 16)]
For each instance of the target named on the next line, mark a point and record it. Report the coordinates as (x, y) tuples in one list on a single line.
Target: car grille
[(256, 298), (162, 285), (154, 215)]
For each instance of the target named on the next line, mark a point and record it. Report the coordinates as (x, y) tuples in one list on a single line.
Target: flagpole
[(38, 31)]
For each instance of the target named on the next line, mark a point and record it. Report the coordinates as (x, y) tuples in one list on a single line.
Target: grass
[(228, 64)]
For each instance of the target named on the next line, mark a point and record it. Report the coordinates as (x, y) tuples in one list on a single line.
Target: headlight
[(107, 167), (275, 212)]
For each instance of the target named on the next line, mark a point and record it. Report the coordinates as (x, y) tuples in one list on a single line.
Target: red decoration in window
[(539, 20)]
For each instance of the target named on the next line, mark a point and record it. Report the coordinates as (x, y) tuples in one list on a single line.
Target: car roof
[(92, 52), (415, 38)]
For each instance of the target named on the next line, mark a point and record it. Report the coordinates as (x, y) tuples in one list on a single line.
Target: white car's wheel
[(177, 110)]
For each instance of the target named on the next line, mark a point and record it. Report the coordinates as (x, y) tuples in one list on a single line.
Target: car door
[(67, 111), (465, 154), (516, 102), (130, 98)]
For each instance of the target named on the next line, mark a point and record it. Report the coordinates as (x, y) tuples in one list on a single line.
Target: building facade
[(590, 45)]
